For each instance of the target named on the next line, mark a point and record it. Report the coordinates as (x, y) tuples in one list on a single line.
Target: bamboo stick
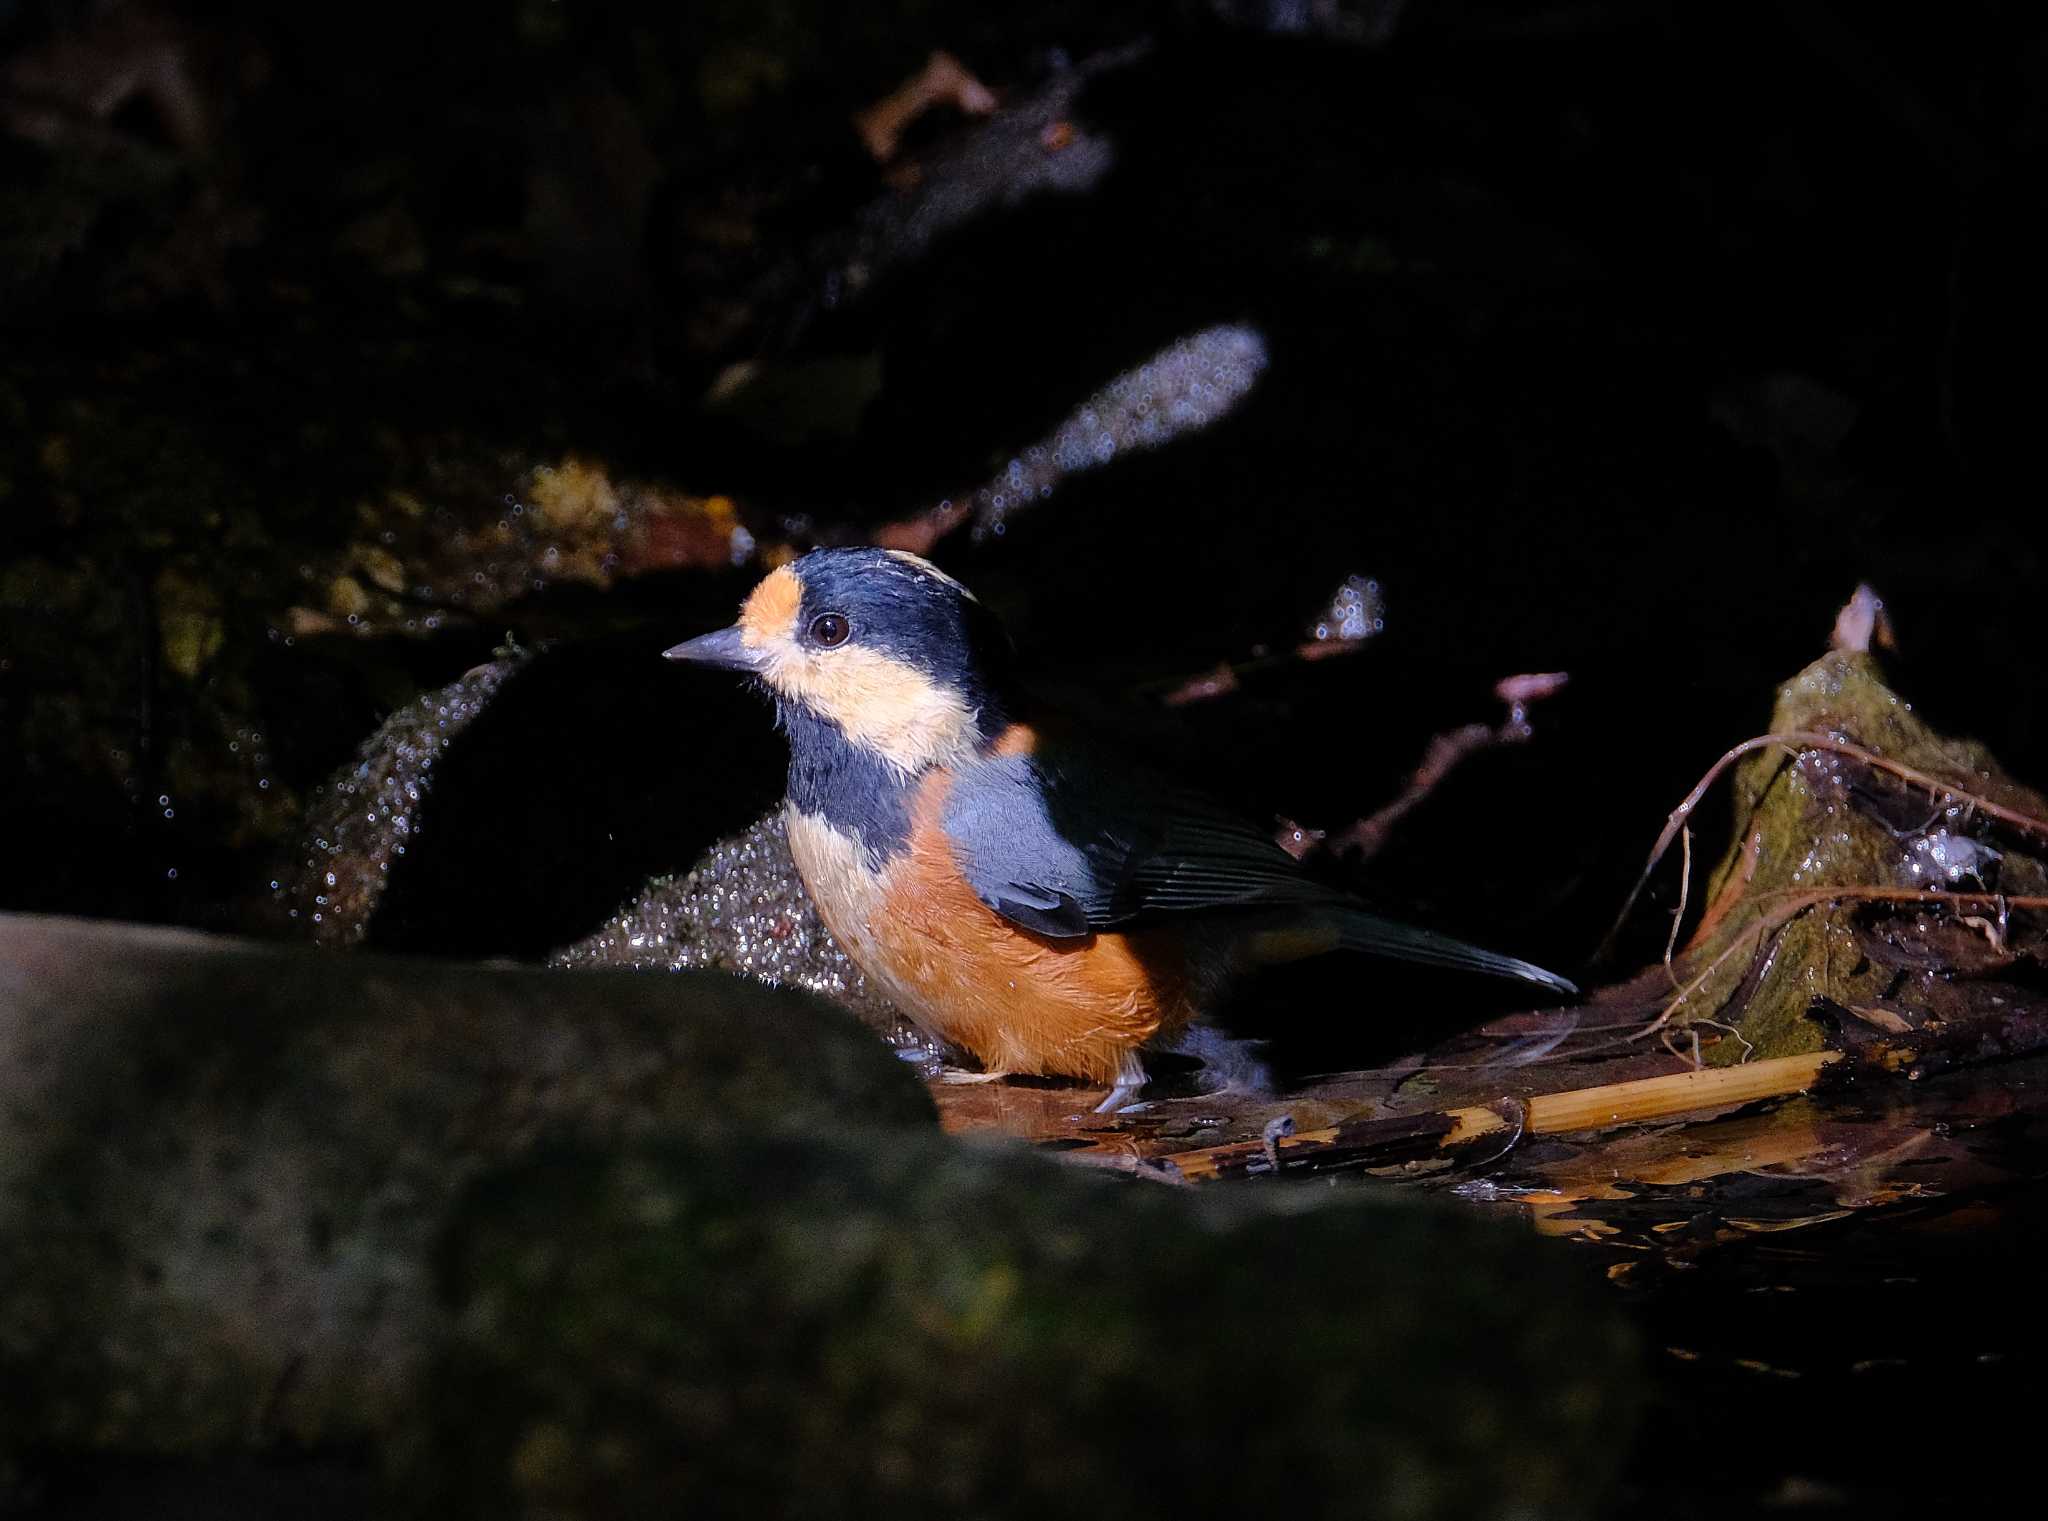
[(1389, 1140), (1653, 1098)]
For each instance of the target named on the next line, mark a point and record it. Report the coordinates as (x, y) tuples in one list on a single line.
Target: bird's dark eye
[(829, 629)]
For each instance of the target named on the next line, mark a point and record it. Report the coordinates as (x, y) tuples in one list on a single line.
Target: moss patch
[(1824, 819)]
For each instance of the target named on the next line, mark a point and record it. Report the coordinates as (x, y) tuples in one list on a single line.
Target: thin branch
[(1765, 926), (1911, 895), (1678, 914), (1797, 741), (1794, 901), (1447, 751)]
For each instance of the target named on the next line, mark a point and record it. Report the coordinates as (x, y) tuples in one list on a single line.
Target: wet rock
[(916, 1326), (1182, 389), (1040, 143), (741, 909), (177, 528), (466, 553), (1187, 386), (367, 815), (496, 1240), (223, 1165), (1764, 955)]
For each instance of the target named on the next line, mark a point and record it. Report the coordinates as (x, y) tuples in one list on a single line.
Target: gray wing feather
[(1063, 860), (1065, 855), (1013, 857)]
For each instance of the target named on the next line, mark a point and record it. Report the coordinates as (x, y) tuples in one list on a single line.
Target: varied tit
[(1024, 898)]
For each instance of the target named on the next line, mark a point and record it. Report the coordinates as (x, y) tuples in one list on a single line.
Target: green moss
[(223, 1169), (909, 1324), (614, 1243), (1810, 823), (189, 625)]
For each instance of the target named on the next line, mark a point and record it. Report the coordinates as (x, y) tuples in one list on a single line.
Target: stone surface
[(919, 1326), (280, 1228), (223, 1166), (742, 908), (1825, 820), (365, 817)]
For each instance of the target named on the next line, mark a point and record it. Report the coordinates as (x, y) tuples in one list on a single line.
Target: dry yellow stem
[(1653, 1098), (1600, 1108)]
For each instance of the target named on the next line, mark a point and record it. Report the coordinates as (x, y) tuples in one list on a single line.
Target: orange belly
[(1020, 1002)]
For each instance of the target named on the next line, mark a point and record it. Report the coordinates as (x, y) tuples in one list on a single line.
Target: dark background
[(1614, 339), (1617, 339)]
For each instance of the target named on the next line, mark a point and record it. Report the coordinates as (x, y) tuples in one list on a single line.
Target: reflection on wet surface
[(1832, 1283)]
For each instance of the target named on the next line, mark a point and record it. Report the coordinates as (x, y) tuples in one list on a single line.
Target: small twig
[(2001, 901), (1797, 741), (1748, 1050), (943, 80), (1765, 926), (1794, 901), (1447, 751), (1665, 1041), (1732, 889), (1678, 914), (1227, 676), (921, 531), (1516, 1113)]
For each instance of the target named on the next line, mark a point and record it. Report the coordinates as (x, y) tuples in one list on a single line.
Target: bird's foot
[(957, 1077), (1118, 1097), (1130, 1077)]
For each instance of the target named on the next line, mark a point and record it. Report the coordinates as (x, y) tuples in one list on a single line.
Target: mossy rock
[(917, 1326), (223, 1165), (1823, 819), (480, 1240)]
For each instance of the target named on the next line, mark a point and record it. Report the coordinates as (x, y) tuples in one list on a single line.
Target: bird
[(1022, 892)]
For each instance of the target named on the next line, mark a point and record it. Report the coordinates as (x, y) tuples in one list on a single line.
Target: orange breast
[(1021, 1002)]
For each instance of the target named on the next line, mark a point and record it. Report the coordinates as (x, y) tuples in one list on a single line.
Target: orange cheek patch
[(1018, 739), (769, 613)]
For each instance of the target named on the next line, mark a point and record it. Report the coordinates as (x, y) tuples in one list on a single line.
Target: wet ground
[(1826, 1282), (1835, 1319)]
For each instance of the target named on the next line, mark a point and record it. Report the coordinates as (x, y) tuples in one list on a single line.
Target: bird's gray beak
[(723, 649)]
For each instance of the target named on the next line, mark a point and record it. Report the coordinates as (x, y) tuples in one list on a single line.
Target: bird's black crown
[(901, 606)]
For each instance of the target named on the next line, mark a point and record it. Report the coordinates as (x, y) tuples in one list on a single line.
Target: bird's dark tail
[(1339, 927)]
